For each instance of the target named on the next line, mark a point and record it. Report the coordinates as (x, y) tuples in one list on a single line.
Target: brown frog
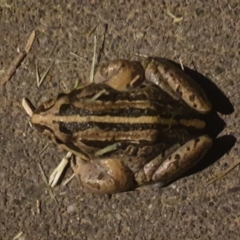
[(136, 124)]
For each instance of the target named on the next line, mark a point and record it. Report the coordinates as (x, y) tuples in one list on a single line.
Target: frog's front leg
[(120, 74), (103, 175), (176, 83), (164, 169)]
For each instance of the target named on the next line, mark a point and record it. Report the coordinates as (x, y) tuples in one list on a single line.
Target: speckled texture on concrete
[(207, 40)]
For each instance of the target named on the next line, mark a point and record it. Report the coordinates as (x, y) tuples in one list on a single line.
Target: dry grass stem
[(223, 173), (92, 30), (38, 206), (180, 61), (77, 56), (175, 19), (50, 191), (17, 60), (55, 176), (93, 60), (17, 236), (39, 82), (28, 109), (68, 180)]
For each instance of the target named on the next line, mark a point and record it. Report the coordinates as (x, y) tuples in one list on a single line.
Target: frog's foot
[(55, 176), (164, 170), (120, 74), (176, 83)]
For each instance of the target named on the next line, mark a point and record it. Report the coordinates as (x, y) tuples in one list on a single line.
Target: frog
[(138, 123)]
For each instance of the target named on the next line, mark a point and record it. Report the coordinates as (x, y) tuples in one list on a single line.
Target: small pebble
[(71, 209)]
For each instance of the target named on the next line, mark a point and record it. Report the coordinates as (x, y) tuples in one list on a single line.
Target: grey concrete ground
[(206, 40)]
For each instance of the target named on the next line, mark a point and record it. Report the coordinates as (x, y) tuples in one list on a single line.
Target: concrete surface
[(206, 40)]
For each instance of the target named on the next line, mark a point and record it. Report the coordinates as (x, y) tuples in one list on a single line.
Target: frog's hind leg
[(176, 83), (176, 163), (102, 175)]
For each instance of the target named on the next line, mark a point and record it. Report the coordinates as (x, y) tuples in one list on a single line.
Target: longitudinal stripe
[(108, 105), (95, 134), (38, 119)]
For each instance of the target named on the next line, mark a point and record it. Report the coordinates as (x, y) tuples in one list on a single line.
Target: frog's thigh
[(120, 74), (102, 176), (182, 159)]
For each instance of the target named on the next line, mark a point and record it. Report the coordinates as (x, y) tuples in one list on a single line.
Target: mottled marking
[(165, 69), (177, 157), (179, 90), (171, 74), (192, 97), (197, 140), (100, 176)]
